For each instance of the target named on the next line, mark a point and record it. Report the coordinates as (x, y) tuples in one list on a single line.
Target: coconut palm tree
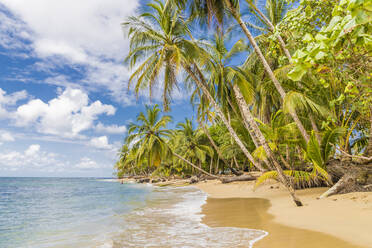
[(224, 76), (216, 9), (191, 144), (157, 39), (148, 135)]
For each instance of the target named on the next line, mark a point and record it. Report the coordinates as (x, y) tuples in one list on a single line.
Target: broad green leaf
[(313, 151), (320, 55), (297, 73), (320, 37), (308, 37)]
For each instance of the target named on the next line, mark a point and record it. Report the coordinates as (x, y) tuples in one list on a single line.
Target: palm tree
[(148, 135), (216, 9), (221, 74), (190, 143), (275, 9), (162, 47), (217, 149)]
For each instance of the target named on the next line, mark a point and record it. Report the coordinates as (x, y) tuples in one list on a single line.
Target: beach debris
[(238, 178)]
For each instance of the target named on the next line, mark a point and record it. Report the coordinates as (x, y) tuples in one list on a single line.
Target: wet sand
[(252, 213), (341, 221)]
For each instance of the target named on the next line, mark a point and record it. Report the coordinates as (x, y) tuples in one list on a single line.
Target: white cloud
[(31, 157), (5, 137), (32, 150), (7, 100), (87, 163), (111, 129), (12, 31), (67, 115), (86, 33), (101, 143), (36, 159)]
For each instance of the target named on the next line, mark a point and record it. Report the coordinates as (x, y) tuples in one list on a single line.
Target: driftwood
[(137, 177), (143, 180), (348, 177), (239, 178)]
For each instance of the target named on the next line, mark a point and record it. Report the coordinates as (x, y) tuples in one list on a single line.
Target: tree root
[(349, 177)]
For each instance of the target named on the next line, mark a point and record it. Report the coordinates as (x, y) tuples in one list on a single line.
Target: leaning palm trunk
[(252, 133), (272, 29), (235, 172), (232, 132), (368, 151), (315, 128), (255, 130), (268, 70), (193, 165)]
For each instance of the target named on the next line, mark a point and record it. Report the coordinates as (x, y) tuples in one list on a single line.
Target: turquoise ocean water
[(88, 212)]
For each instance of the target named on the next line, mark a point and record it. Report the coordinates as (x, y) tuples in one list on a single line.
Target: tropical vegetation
[(281, 87)]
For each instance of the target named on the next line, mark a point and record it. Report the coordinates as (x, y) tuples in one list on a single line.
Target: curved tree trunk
[(315, 128), (234, 135), (241, 103), (248, 117), (267, 68), (194, 166), (272, 29), (368, 151), (206, 131)]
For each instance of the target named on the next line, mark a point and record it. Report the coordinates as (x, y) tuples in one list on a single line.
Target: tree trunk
[(243, 107), (368, 151), (210, 166), (286, 164), (315, 128), (267, 68), (237, 179), (218, 110), (272, 29), (248, 117), (341, 184), (349, 177), (206, 131), (194, 166)]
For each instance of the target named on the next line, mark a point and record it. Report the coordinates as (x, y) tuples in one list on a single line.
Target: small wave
[(108, 180), (107, 244), (173, 219)]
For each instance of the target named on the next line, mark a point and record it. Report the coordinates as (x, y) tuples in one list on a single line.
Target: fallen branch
[(368, 159), (341, 184), (196, 167), (367, 186), (237, 179)]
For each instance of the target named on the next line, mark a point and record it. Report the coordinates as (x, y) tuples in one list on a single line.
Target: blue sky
[(64, 103)]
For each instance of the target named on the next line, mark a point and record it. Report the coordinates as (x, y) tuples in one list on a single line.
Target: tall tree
[(163, 47), (217, 9)]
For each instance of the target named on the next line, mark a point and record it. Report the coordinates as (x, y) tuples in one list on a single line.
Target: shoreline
[(337, 220)]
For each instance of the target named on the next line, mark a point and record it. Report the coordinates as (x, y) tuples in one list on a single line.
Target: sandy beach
[(342, 221)]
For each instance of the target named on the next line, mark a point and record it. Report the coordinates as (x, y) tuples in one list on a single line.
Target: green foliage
[(327, 83), (347, 33), (301, 179)]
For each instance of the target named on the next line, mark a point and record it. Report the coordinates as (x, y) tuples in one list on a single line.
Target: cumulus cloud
[(32, 150), (111, 129), (31, 157), (6, 137), (7, 100), (87, 163), (35, 158), (88, 35), (101, 143), (67, 115)]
